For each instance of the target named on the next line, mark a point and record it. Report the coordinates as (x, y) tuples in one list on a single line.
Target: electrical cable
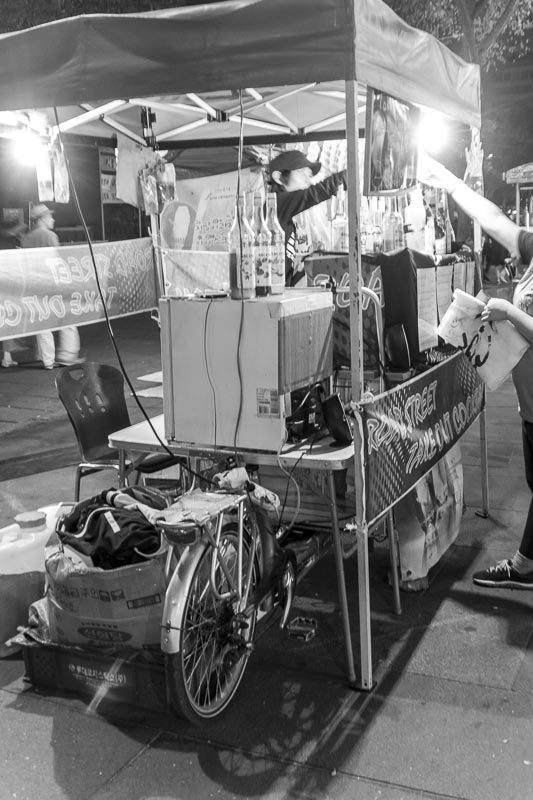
[(104, 306), (213, 394), (241, 321)]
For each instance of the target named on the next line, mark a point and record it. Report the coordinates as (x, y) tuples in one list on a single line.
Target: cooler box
[(229, 366)]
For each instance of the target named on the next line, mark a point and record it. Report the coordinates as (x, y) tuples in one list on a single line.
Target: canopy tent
[(187, 63), (288, 67)]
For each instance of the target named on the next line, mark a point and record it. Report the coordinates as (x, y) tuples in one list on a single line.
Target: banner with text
[(46, 288), (409, 429)]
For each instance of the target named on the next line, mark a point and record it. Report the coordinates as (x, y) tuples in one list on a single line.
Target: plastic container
[(22, 553)]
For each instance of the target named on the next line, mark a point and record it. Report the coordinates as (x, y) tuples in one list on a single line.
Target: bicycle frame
[(183, 572)]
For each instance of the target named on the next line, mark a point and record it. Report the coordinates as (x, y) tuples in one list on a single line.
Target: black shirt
[(292, 203)]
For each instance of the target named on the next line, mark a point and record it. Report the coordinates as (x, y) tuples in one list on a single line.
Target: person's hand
[(433, 173), (497, 308)]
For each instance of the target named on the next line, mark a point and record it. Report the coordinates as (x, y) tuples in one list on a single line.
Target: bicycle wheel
[(215, 637)]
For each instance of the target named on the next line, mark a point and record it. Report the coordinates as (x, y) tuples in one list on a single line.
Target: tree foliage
[(486, 32), (19, 14)]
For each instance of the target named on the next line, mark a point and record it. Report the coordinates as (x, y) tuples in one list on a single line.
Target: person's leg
[(68, 347), (517, 572), (46, 348), (7, 358), (526, 545)]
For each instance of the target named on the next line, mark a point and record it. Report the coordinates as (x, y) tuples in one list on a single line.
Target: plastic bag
[(494, 349)]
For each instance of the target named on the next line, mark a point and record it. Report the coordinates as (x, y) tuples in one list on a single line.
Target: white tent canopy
[(291, 56)]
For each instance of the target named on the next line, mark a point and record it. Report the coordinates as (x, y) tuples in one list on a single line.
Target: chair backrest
[(93, 396)]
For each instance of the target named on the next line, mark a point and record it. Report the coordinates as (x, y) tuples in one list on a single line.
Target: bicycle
[(224, 572)]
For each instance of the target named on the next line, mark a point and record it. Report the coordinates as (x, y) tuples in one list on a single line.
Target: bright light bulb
[(28, 149), (432, 132)]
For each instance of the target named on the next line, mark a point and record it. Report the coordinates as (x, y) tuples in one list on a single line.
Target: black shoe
[(503, 575)]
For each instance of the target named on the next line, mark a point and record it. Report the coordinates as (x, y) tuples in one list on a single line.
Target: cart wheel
[(215, 637)]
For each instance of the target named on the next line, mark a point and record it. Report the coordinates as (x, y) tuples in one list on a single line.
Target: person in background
[(291, 177), (494, 260), (10, 233), (42, 235), (515, 572)]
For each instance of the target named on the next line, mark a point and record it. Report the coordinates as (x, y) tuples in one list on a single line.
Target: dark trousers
[(526, 545)]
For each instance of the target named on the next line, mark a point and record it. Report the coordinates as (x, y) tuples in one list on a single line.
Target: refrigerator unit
[(229, 367)]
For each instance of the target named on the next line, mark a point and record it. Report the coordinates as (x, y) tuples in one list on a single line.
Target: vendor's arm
[(497, 309), (292, 203), (487, 214)]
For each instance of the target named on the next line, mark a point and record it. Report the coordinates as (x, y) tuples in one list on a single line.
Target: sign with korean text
[(409, 429), (46, 288)]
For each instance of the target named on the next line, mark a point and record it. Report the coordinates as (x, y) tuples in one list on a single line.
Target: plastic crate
[(111, 679)]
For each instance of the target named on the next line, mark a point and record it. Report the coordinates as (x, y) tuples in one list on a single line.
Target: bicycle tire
[(214, 641)]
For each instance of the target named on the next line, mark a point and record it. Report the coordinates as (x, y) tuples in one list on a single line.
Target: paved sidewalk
[(451, 714)]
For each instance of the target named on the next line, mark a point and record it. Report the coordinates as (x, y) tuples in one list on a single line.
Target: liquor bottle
[(277, 245), (397, 226), (339, 223), (242, 255), (440, 225), (377, 229), (262, 245), (388, 227), (429, 233), (365, 231), (415, 222)]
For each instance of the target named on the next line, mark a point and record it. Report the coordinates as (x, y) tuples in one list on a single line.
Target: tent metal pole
[(356, 344)]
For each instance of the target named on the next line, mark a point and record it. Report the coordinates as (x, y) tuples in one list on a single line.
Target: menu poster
[(426, 282), (459, 276), (444, 289)]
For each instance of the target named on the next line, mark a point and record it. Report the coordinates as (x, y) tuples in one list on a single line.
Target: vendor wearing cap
[(42, 235), (291, 177)]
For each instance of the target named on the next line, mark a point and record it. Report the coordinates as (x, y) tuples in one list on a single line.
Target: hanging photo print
[(390, 145)]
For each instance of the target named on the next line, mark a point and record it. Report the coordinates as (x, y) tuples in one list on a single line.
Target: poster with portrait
[(390, 145)]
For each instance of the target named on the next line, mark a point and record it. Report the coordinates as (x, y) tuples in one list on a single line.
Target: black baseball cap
[(293, 159)]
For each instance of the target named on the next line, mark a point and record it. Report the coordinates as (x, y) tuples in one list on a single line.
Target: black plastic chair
[(93, 396)]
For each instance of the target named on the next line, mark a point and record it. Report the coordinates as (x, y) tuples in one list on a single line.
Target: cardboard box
[(130, 681), (105, 608)]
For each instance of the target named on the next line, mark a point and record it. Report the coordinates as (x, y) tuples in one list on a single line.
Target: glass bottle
[(440, 225), (339, 223), (397, 226), (429, 233), (415, 222), (242, 255), (377, 230), (388, 227), (277, 245), (365, 232), (262, 245)]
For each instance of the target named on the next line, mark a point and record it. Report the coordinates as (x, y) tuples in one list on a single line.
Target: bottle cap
[(31, 520)]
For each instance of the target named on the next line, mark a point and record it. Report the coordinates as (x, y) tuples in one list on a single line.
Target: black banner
[(409, 429)]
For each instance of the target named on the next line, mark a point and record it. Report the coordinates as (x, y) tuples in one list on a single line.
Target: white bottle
[(277, 245), (242, 255), (388, 228), (415, 222), (339, 224), (262, 244)]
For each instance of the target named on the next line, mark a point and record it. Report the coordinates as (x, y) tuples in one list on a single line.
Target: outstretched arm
[(489, 216)]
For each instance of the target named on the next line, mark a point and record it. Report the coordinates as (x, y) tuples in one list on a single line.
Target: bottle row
[(257, 250), (390, 223), (257, 245)]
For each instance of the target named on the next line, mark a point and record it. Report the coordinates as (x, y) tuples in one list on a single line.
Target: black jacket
[(292, 203)]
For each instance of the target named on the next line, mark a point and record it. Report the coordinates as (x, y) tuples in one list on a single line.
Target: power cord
[(104, 305)]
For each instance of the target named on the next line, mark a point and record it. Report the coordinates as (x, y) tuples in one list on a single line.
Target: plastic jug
[(22, 548)]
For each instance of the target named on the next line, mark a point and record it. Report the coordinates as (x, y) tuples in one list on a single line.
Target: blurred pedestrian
[(10, 233), (42, 235)]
